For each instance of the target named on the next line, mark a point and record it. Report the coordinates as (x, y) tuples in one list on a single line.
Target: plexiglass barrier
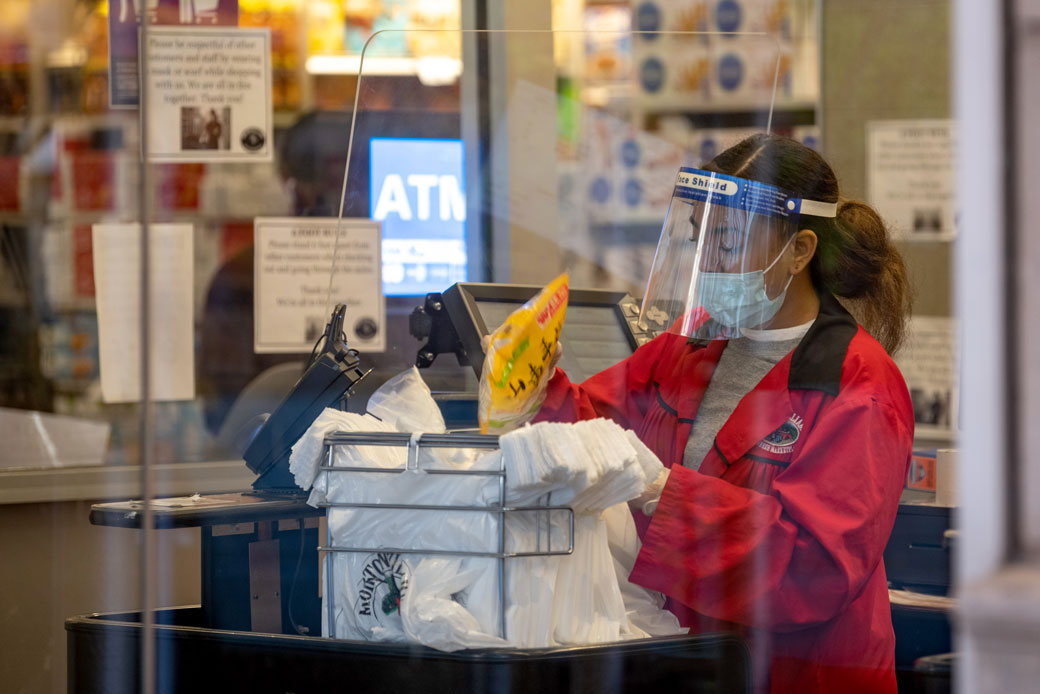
[(172, 248), (510, 158), (213, 248)]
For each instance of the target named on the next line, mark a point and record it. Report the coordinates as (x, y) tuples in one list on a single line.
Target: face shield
[(716, 270)]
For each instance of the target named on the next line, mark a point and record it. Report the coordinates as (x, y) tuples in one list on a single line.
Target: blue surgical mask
[(739, 299)]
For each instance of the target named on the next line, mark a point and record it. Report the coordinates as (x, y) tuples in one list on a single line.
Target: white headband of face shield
[(697, 185), (814, 208)]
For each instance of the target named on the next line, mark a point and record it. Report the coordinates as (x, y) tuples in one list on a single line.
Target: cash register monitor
[(333, 371), (597, 332)]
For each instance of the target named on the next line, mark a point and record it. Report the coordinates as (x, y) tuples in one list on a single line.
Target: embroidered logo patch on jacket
[(781, 441)]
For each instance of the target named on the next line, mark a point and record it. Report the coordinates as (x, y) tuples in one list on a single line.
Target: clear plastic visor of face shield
[(716, 270)]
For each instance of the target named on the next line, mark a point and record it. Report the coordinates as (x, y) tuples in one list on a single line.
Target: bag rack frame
[(415, 442)]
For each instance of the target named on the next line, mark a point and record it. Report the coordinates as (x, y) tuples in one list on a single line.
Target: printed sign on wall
[(910, 177), (295, 287), (209, 93), (928, 361)]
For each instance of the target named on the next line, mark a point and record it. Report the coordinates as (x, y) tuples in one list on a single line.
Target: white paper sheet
[(117, 263), (209, 93), (928, 360), (293, 266), (525, 194), (910, 177)]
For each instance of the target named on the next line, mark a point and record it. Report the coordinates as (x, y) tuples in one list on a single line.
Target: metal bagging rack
[(498, 507)]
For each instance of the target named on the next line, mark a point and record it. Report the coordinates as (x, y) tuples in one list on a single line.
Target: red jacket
[(781, 531)]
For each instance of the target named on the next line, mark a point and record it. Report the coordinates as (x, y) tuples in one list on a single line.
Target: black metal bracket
[(430, 322)]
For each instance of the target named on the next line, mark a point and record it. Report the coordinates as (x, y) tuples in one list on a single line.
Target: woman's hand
[(557, 353), (648, 500)]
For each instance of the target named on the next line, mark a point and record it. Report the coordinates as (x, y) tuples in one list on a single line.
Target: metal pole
[(329, 591), (502, 547), (149, 558)]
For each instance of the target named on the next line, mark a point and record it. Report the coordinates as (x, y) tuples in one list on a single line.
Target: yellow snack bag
[(516, 367)]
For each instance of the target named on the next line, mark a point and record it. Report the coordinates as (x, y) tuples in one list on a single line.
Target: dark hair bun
[(857, 261)]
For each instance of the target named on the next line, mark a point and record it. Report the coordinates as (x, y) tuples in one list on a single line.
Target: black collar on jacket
[(816, 362)]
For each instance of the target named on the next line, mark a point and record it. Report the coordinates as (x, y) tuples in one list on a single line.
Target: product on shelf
[(283, 18), (14, 78)]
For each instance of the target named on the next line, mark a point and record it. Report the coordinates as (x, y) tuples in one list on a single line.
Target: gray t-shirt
[(742, 365)]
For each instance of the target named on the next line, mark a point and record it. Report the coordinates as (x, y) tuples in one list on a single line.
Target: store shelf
[(629, 94), (430, 70), (121, 482), (9, 123), (9, 298), (783, 117), (81, 305), (72, 385), (680, 105), (284, 119), (159, 216), (14, 218), (86, 121)]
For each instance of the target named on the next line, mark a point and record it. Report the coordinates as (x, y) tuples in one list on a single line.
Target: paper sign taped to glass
[(294, 261), (209, 94)]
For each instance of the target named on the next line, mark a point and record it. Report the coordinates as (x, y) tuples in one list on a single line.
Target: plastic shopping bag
[(406, 403), (433, 617), (516, 368)]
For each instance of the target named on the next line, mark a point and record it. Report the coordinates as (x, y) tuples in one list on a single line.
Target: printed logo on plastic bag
[(383, 583)]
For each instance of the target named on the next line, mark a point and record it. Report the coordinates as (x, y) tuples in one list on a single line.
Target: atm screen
[(416, 189)]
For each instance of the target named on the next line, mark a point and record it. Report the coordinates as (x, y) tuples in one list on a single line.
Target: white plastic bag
[(406, 403), (306, 455), (644, 609), (364, 581), (451, 603), (433, 617)]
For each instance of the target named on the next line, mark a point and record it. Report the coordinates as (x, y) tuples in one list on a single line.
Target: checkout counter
[(260, 591), (259, 621)]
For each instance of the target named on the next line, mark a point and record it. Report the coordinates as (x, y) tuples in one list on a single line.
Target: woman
[(786, 426)]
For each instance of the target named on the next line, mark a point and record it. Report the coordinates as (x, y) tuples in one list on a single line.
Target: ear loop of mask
[(779, 255), (747, 235)]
